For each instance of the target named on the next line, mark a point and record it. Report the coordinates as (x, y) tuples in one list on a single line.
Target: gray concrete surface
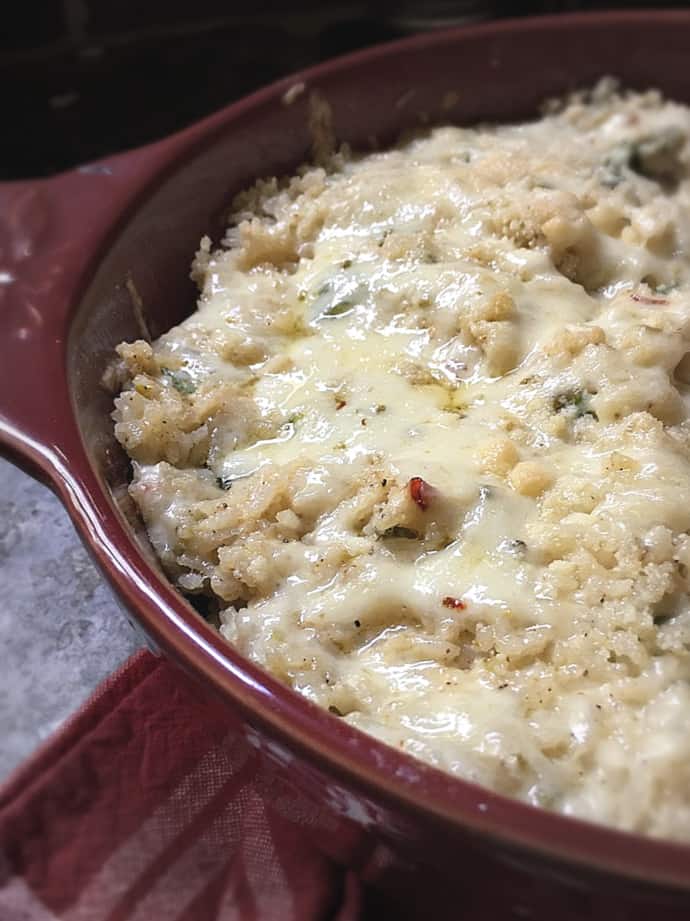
[(61, 630)]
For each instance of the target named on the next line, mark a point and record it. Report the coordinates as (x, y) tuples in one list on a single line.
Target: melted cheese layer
[(425, 440)]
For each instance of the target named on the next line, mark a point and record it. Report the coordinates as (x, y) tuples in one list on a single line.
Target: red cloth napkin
[(148, 806)]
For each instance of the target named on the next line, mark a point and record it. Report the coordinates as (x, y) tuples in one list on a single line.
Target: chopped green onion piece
[(398, 531), (181, 381), (337, 310)]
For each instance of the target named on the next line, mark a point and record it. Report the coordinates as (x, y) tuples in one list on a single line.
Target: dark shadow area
[(81, 79)]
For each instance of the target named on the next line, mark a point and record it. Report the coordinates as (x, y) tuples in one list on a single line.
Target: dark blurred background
[(80, 79)]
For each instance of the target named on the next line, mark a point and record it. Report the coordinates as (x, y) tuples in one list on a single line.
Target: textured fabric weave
[(151, 805), (148, 805)]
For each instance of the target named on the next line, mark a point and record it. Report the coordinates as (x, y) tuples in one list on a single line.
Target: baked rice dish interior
[(425, 443)]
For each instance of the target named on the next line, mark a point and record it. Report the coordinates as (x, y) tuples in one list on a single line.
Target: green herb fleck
[(666, 288), (346, 263), (398, 531), (615, 164), (337, 310), (576, 402), (181, 381), (654, 157)]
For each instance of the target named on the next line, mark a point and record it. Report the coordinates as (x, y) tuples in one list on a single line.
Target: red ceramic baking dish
[(89, 256)]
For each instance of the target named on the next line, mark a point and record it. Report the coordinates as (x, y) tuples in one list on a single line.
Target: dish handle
[(51, 234)]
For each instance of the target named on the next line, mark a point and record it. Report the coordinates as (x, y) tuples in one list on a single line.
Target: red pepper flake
[(340, 403), (421, 492), (646, 299), (455, 603)]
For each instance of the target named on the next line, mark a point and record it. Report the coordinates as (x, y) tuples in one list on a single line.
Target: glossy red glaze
[(77, 252)]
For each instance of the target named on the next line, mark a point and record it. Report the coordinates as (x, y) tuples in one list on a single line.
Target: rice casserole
[(426, 442)]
